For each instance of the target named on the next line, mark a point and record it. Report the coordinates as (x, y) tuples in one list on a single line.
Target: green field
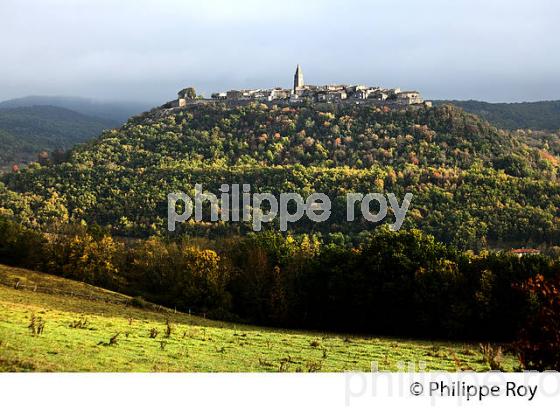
[(54, 324)]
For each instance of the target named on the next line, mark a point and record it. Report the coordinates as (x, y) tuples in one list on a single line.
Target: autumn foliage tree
[(539, 342)]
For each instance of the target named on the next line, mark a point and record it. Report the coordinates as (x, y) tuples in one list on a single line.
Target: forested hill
[(352, 136), (25, 131), (473, 184), (541, 115)]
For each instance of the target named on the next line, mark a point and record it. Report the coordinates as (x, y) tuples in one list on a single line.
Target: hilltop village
[(301, 92)]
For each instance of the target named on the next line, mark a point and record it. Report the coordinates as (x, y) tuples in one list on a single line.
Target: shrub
[(139, 302), (492, 356)]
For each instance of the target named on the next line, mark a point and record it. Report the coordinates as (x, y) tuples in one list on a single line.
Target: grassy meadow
[(54, 324)]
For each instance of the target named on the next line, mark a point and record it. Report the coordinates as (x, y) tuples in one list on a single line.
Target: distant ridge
[(115, 111), (26, 131), (540, 115)]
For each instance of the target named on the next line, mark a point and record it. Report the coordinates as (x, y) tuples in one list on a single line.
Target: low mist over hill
[(115, 111)]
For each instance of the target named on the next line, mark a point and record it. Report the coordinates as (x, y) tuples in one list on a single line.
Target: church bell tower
[(298, 79)]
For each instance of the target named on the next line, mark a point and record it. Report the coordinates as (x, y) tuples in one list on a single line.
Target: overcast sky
[(145, 50)]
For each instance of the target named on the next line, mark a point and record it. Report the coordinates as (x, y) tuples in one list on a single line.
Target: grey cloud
[(138, 49)]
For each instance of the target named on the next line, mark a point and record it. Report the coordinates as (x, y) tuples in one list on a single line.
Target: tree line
[(401, 283)]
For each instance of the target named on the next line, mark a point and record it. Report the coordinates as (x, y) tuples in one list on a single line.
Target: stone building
[(409, 97), (331, 96)]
